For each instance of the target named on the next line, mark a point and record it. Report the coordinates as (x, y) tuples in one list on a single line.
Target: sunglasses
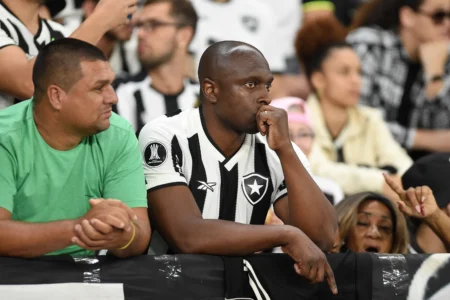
[(438, 17)]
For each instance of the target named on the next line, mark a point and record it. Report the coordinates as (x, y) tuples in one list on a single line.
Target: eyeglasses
[(150, 25), (438, 17)]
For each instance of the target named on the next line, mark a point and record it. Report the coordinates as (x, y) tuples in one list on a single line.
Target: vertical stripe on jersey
[(261, 208), (198, 172), (228, 192), (54, 35), (177, 156), (171, 103), (139, 110), (22, 43), (5, 29), (123, 58)]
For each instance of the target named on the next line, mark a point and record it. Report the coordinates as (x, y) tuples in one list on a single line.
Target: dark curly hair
[(315, 40), (383, 13)]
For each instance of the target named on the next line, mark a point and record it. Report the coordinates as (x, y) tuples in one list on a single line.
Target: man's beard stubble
[(155, 62)]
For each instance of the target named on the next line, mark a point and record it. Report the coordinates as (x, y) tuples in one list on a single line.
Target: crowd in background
[(366, 87)]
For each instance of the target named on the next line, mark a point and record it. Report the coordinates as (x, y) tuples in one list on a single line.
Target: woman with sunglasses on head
[(369, 222), (404, 49), (352, 145)]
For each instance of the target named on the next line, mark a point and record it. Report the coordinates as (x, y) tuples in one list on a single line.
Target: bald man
[(213, 172)]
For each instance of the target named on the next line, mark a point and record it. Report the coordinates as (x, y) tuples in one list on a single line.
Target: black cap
[(433, 171)]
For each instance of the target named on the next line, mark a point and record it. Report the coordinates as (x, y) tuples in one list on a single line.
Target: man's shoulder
[(124, 83), (373, 36), (119, 127), (173, 123), (119, 124), (15, 118)]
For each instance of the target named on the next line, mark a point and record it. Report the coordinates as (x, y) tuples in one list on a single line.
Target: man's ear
[(210, 90), (185, 35), (56, 97), (407, 16)]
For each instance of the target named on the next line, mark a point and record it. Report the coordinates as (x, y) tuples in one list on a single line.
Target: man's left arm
[(125, 181), (307, 207)]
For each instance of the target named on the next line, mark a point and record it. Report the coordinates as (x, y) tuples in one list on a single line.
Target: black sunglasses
[(438, 17)]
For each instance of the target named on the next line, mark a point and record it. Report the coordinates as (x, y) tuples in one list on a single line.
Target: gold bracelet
[(132, 237)]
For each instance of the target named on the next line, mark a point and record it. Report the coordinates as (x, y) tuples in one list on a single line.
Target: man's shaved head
[(235, 80), (59, 63), (220, 59)]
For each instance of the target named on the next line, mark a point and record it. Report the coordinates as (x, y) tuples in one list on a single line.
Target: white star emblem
[(255, 188)]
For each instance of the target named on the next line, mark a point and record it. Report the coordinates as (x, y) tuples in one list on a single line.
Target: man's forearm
[(309, 210), (139, 244), (440, 224), (432, 140), (91, 30), (220, 237), (28, 240)]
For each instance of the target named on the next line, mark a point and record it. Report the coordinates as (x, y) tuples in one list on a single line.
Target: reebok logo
[(206, 185)]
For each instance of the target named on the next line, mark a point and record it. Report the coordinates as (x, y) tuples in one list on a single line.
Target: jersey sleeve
[(162, 157), (5, 40), (7, 184), (125, 178), (281, 189)]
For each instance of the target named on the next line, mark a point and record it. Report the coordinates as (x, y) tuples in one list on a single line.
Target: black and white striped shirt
[(14, 33), (396, 86), (177, 150), (139, 103)]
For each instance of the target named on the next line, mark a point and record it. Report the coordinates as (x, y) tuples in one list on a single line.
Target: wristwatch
[(433, 78)]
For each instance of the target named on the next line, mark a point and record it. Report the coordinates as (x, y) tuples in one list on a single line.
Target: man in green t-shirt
[(71, 179)]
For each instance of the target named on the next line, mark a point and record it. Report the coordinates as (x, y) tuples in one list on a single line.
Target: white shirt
[(249, 21), (139, 103)]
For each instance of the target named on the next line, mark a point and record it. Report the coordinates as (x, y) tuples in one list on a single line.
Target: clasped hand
[(107, 225)]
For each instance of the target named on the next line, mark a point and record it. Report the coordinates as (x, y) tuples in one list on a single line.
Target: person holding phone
[(213, 172)]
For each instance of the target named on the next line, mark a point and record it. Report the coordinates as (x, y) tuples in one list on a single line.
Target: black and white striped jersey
[(139, 103), (124, 59), (14, 33), (177, 150)]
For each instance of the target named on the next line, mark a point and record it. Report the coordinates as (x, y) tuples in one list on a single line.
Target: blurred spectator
[(265, 24), (166, 27), (119, 45), (404, 47), (344, 10), (429, 231), (313, 9), (23, 33), (62, 154), (353, 145), (369, 222), (302, 134), (67, 12)]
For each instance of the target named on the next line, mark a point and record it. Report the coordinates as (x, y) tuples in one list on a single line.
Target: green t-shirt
[(41, 184)]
